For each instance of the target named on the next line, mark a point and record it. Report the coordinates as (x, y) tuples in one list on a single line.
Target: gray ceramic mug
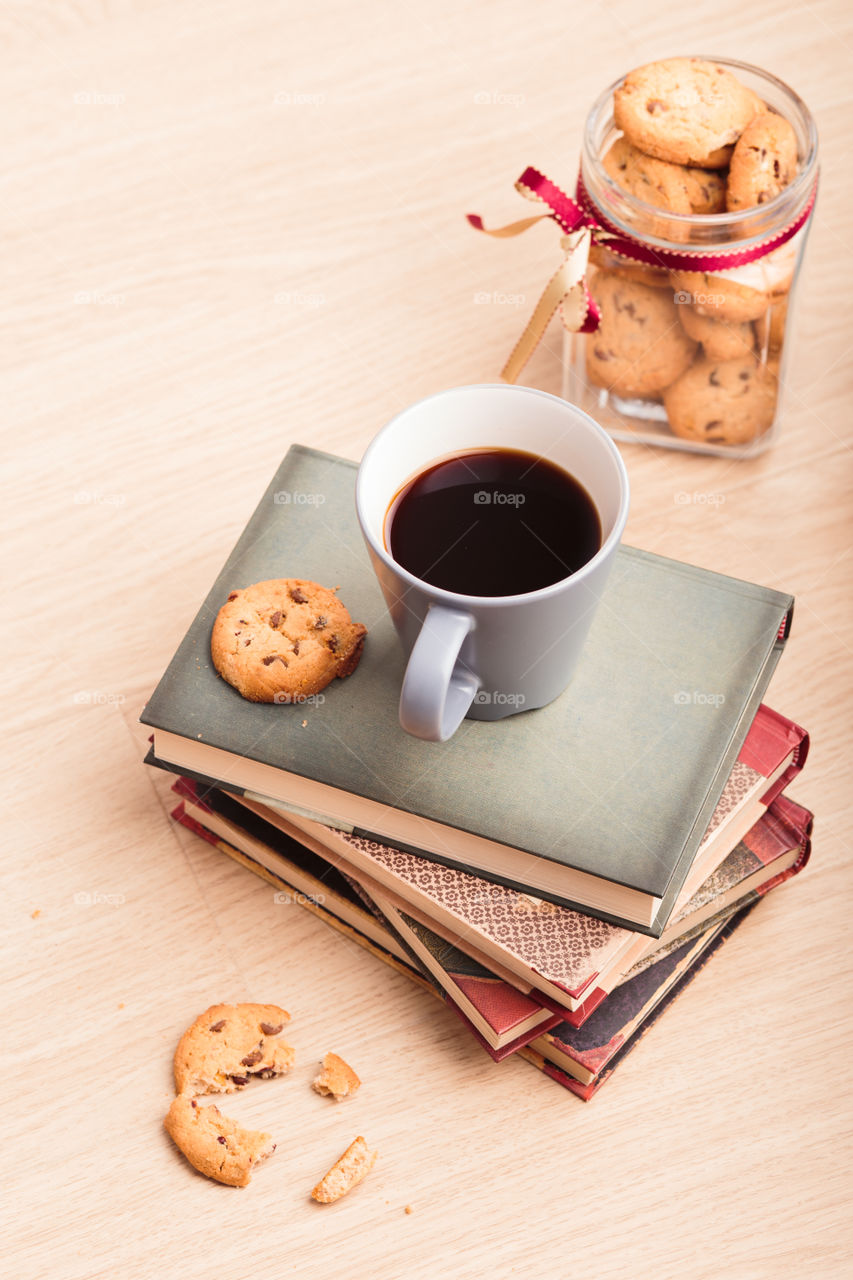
[(488, 657)]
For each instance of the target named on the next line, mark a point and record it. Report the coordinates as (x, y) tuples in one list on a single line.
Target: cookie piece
[(722, 401), (639, 346), (684, 110), (230, 1043), (674, 187), (763, 162), (770, 328), (720, 298), (216, 1146), (720, 339), (284, 640), (347, 1172), (337, 1079)]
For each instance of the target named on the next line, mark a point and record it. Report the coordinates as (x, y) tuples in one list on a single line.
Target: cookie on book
[(284, 640), (216, 1146), (764, 161), (337, 1079), (722, 401), (639, 346), (228, 1044), (347, 1172), (684, 110)]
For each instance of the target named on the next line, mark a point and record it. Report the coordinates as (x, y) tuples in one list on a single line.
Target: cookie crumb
[(34, 915), (337, 1079), (304, 724), (347, 1172), (408, 1208), (120, 1005)]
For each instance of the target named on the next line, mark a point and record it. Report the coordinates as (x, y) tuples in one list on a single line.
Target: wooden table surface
[(228, 227)]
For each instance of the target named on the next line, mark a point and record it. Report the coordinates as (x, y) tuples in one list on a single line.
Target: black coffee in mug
[(493, 522)]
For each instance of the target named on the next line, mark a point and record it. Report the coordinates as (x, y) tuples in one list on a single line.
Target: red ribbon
[(573, 216)]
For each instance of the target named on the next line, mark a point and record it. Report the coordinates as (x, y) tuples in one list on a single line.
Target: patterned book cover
[(568, 956), (584, 1052)]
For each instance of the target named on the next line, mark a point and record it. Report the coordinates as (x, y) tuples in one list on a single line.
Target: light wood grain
[(267, 218)]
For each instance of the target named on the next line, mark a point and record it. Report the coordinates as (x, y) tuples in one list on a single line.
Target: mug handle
[(435, 696)]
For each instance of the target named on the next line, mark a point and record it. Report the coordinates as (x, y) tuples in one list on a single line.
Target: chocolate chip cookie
[(284, 640), (639, 346), (216, 1146), (228, 1044), (719, 297), (763, 162), (720, 339), (684, 110), (726, 402), (674, 187)]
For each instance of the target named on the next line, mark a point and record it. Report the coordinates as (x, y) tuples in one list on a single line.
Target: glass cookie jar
[(694, 338)]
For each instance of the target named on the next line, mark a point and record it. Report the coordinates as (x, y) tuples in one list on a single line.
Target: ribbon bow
[(583, 224)]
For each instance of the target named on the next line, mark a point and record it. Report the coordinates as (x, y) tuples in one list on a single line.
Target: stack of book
[(557, 877)]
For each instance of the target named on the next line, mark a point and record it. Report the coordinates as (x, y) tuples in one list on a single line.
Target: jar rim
[(755, 224)]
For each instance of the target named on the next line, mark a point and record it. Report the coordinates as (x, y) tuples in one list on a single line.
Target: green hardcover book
[(598, 801)]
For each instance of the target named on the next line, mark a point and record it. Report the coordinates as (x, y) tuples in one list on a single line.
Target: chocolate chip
[(654, 105), (252, 1058), (715, 422), (744, 375), (233, 596), (217, 1026), (276, 618), (266, 1074), (713, 379), (298, 595), (269, 1030), (239, 632), (271, 657), (222, 1140), (333, 643), (775, 168), (296, 646), (320, 621), (600, 353), (244, 622), (193, 1103), (249, 641), (239, 1079)]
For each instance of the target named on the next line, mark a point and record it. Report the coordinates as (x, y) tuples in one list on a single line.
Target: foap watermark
[(685, 499), (683, 298), (97, 698), (485, 698), (498, 299), (83, 898), (97, 298), (298, 498), (498, 498), (696, 698), (285, 898), (95, 98), (297, 98), (301, 699), (97, 498), (296, 298), (498, 98)]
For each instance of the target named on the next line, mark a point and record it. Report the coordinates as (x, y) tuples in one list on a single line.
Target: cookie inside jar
[(700, 177)]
